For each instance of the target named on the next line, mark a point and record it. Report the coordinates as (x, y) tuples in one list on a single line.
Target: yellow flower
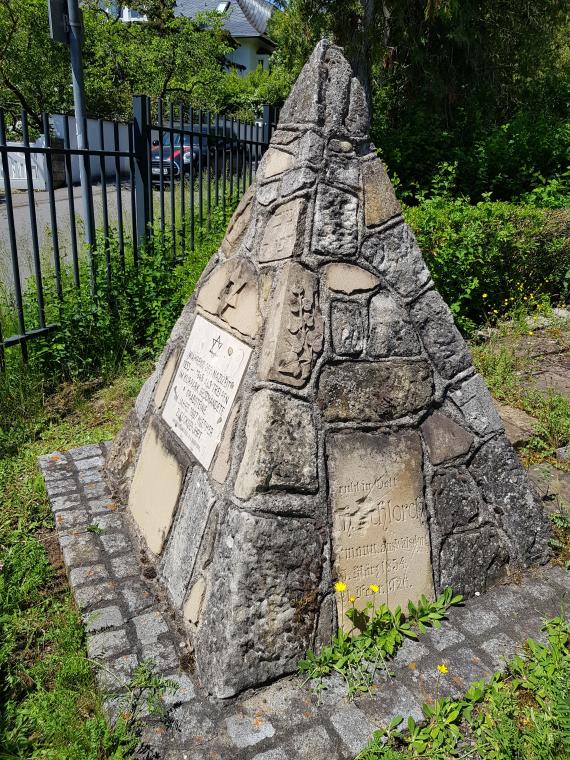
[(530, 332), (374, 588), (442, 668), (340, 586), (352, 599), (484, 295)]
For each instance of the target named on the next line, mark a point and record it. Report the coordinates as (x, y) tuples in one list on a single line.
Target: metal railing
[(167, 171)]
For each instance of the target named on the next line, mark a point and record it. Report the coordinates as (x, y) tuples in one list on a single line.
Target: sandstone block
[(231, 294), (275, 162), (294, 328), (155, 489), (349, 279), (165, 378), (445, 439), (380, 202), (282, 232), (441, 338), (370, 391), (238, 223), (281, 448), (391, 332)]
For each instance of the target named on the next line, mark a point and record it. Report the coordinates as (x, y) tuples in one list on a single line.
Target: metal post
[(142, 161), (75, 38)]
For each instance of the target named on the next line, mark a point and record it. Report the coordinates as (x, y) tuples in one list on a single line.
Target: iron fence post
[(143, 158)]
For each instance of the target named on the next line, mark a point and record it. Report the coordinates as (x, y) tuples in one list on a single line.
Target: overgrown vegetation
[(523, 713), (375, 634)]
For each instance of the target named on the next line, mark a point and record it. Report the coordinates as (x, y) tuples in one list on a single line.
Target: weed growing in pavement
[(375, 634), (523, 713)]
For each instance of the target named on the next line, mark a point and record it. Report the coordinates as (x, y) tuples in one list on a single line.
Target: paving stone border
[(128, 619)]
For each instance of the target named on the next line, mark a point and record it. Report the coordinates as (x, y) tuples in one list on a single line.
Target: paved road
[(41, 200)]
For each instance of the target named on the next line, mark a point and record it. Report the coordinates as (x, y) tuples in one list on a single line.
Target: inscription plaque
[(380, 535), (204, 388)]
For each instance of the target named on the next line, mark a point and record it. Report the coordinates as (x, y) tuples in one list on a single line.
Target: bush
[(490, 257)]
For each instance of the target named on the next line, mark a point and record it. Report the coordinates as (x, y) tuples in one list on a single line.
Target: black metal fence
[(167, 170)]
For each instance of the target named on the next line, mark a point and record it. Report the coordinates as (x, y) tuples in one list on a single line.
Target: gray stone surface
[(334, 232), (391, 331), (396, 255), (371, 391), (471, 561), (274, 565), (186, 534), (444, 438), (281, 448), (245, 731), (440, 337), (476, 404), (348, 328), (353, 727)]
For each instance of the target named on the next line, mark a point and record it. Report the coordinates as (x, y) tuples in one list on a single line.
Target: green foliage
[(523, 713), (376, 634), (487, 258)]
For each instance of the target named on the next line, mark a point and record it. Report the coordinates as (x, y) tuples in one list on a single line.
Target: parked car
[(186, 152)]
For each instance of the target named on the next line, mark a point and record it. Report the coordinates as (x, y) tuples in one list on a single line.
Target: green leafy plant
[(374, 635)]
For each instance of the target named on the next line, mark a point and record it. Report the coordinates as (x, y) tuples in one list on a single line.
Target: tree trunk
[(361, 58)]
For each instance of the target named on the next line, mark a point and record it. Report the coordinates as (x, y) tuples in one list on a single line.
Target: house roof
[(247, 18)]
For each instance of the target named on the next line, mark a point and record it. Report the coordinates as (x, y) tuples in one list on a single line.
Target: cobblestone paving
[(128, 620)]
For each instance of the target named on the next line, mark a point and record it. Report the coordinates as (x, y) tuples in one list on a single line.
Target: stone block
[(476, 404), (268, 193), (193, 604), (107, 644), (472, 561), (238, 223), (294, 328), (311, 146), (122, 457), (499, 650), (519, 426), (256, 630), (136, 596), (281, 447), (314, 744), (379, 527), (456, 499), (116, 674), (155, 489), (94, 595), (335, 232), (222, 462), (231, 294), (380, 202), (441, 338), (343, 170), (349, 279), (275, 162), (116, 543), (304, 104), (505, 487), (186, 535), (477, 621), (167, 374), (149, 626), (298, 179), (184, 691), (283, 232), (353, 727), (103, 618), (162, 654), (374, 391), (79, 549), (348, 328), (245, 731), (391, 332), (444, 438), (337, 91), (125, 566), (397, 257)]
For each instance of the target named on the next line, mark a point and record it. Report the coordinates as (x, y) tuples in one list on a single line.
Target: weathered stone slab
[(380, 534), (476, 404), (396, 255), (164, 382), (121, 460), (304, 103), (231, 294), (456, 499), (281, 448), (357, 121), (275, 162), (204, 388), (155, 489), (445, 439), (441, 338), (282, 232), (184, 542), (334, 232), (251, 632), (348, 328), (294, 329), (380, 202), (349, 279), (343, 171), (238, 223), (337, 91), (369, 391), (471, 561), (391, 331)]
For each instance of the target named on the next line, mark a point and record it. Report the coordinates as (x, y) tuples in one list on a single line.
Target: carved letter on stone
[(294, 333)]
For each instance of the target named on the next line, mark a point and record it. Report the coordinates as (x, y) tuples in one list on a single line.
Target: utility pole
[(66, 26)]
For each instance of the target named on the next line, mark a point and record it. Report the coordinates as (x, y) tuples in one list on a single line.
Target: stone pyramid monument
[(315, 415)]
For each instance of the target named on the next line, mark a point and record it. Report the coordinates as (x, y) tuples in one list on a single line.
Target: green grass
[(523, 714), (50, 707)]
